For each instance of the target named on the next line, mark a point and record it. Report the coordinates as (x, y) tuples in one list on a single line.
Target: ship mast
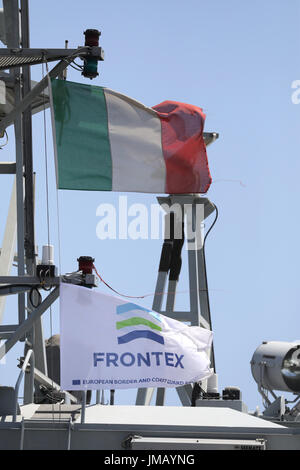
[(32, 277), (18, 57)]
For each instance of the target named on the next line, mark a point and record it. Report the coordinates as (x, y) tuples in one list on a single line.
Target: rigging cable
[(206, 283), (116, 292), (48, 221), (57, 194)]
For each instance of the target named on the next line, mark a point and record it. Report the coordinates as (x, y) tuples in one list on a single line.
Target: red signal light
[(92, 37)]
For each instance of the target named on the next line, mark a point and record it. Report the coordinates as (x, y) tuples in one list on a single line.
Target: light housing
[(90, 68), (275, 365)]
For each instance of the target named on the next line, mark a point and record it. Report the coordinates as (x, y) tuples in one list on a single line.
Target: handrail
[(29, 358)]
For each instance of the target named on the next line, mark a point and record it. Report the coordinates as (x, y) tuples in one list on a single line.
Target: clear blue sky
[(236, 60)]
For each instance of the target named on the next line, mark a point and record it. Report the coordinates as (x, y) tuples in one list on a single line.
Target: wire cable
[(205, 277), (46, 159), (48, 214), (115, 291), (35, 290), (212, 225), (165, 293)]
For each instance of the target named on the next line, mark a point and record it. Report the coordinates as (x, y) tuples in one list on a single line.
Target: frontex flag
[(108, 343)]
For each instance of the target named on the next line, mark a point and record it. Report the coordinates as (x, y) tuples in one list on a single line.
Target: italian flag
[(106, 141)]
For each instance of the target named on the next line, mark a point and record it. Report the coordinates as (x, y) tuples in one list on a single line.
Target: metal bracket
[(57, 70), (28, 323), (14, 57)]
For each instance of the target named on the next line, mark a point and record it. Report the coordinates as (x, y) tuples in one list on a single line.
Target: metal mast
[(215, 422), (18, 57)]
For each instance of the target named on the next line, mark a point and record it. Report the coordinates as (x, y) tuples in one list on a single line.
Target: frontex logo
[(145, 328)]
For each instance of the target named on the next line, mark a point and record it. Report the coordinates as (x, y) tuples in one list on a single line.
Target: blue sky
[(237, 60)]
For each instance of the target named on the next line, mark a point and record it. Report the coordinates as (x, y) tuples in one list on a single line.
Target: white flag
[(108, 343)]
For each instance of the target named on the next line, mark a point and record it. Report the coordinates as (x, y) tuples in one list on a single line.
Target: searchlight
[(275, 365)]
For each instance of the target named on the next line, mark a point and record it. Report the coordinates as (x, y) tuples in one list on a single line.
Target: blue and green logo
[(151, 328)]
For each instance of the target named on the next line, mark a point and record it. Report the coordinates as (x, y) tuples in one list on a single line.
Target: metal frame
[(102, 427), (27, 324), (199, 312), (30, 280), (30, 328), (16, 57), (28, 359), (7, 168), (22, 105), (9, 242), (21, 213)]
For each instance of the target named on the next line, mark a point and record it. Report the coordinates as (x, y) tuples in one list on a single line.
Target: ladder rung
[(5, 335), (7, 168), (6, 331)]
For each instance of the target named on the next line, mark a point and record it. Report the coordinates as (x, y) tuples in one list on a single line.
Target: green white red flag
[(107, 141)]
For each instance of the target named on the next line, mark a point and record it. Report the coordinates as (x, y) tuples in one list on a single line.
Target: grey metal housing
[(267, 364)]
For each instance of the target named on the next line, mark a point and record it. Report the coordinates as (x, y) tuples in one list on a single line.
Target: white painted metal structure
[(205, 420)]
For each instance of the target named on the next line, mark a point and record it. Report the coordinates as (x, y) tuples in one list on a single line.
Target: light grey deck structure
[(130, 427)]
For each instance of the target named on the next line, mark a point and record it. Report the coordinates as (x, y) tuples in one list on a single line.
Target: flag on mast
[(109, 343), (106, 141)]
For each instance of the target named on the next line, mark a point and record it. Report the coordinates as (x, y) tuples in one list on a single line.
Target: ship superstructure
[(51, 418)]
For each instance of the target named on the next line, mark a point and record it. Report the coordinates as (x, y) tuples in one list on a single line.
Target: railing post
[(83, 406)]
